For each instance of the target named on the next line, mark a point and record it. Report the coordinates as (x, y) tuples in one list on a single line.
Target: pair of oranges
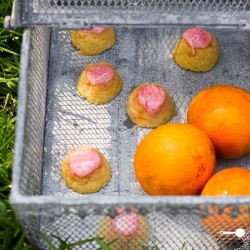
[(180, 159)]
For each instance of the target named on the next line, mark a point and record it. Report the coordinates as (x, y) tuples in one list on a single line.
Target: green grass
[(64, 245)]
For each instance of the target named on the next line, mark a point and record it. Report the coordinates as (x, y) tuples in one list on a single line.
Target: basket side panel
[(27, 170), (160, 227), (30, 181), (80, 13)]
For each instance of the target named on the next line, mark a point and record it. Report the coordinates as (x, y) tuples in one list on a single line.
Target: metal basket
[(52, 119), (85, 13)]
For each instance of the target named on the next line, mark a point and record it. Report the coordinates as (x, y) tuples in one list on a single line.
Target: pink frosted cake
[(94, 41), (99, 83), (197, 50), (150, 105), (85, 170)]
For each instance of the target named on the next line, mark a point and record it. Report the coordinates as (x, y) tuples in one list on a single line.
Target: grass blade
[(8, 50)]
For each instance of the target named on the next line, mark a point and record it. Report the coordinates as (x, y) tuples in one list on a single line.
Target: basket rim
[(24, 14), (184, 200)]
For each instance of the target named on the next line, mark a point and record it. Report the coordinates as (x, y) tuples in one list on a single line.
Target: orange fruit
[(222, 112), (174, 159), (231, 181)]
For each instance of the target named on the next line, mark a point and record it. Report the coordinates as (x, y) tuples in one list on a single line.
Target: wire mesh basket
[(84, 13), (53, 118)]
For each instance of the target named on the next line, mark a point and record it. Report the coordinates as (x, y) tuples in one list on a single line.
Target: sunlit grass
[(9, 61), (7, 135)]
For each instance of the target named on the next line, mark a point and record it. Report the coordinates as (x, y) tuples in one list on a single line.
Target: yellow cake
[(150, 105), (85, 170), (197, 50), (99, 83), (94, 41)]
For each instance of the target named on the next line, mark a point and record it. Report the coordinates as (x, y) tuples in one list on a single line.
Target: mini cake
[(85, 170), (127, 229), (94, 41), (197, 50), (150, 105), (99, 83)]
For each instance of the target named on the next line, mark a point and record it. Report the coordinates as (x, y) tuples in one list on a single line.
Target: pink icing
[(152, 98), (84, 161), (125, 224), (100, 74), (95, 30), (197, 38)]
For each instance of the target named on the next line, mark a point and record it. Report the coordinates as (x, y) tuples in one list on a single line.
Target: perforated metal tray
[(85, 13), (53, 118)]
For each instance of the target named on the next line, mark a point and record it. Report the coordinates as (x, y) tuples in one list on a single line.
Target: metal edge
[(92, 18), (176, 201), (13, 21)]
